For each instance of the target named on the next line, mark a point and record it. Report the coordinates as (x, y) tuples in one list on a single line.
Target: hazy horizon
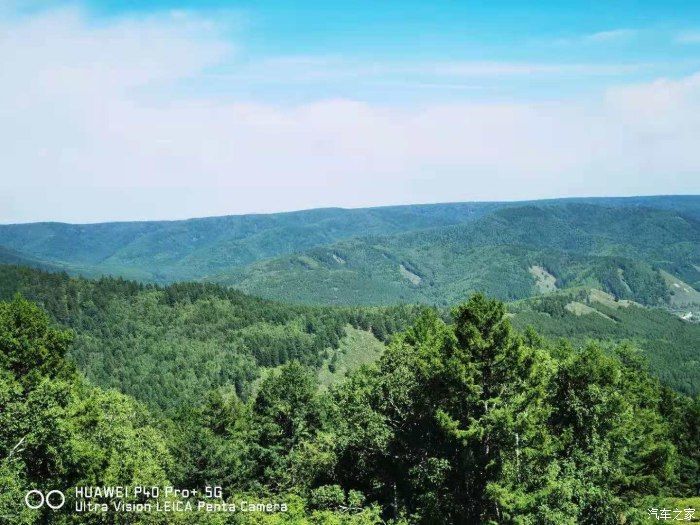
[(406, 204)]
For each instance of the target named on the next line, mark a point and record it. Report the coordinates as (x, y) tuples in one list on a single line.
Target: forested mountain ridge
[(9, 256), (165, 251), (619, 250), (213, 248)]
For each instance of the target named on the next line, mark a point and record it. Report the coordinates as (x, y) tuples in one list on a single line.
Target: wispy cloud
[(612, 35), (318, 69), (688, 37), (488, 69), (75, 132)]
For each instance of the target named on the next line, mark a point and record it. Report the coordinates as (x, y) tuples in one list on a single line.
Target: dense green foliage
[(359, 415), (169, 345), (433, 254), (465, 421), (619, 250), (474, 424), (165, 251), (670, 345), (58, 431)]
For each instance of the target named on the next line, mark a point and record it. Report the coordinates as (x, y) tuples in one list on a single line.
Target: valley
[(329, 359)]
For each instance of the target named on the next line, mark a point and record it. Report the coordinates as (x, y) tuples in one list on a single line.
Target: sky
[(167, 109)]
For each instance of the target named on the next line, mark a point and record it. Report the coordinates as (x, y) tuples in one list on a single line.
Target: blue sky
[(600, 42), (212, 107)]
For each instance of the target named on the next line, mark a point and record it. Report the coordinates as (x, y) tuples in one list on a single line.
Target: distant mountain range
[(641, 248)]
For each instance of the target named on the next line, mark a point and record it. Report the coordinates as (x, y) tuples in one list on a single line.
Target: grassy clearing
[(356, 349), (681, 292), (544, 281)]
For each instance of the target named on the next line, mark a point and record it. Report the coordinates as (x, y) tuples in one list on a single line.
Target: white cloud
[(89, 132), (613, 35), (688, 37), (317, 69), (495, 69)]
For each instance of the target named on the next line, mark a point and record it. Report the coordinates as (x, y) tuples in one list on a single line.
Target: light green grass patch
[(681, 293), (357, 348), (544, 281)]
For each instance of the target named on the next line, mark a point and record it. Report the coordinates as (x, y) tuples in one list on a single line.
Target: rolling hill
[(434, 254), (671, 345), (9, 256), (167, 251), (506, 254), (169, 345)]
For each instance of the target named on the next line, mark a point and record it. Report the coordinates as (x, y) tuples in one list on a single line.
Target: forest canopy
[(464, 420)]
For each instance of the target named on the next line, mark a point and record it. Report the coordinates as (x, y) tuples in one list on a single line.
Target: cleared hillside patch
[(544, 281), (408, 274), (609, 300), (357, 348), (681, 293)]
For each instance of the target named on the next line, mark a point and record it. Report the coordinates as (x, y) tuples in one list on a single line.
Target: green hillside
[(9, 256), (356, 348), (671, 346), (461, 420), (167, 251), (619, 250), (170, 345)]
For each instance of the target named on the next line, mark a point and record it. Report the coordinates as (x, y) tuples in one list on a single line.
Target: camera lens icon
[(54, 499)]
